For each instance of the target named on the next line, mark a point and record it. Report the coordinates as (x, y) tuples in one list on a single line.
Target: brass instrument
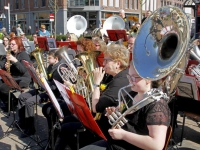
[(133, 30), (113, 23), (88, 60), (77, 24), (8, 61), (161, 54), (37, 54)]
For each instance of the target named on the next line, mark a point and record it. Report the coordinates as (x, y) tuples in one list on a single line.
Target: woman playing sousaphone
[(148, 124)]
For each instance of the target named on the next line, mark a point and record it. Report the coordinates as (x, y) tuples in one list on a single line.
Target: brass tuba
[(37, 54), (68, 72), (160, 52), (77, 24)]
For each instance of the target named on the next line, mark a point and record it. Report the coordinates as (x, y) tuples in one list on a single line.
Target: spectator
[(14, 30), (19, 30), (148, 13), (22, 36), (29, 30), (128, 23), (43, 31)]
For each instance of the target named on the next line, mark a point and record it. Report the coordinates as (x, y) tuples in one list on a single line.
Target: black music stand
[(10, 81), (37, 80), (43, 84)]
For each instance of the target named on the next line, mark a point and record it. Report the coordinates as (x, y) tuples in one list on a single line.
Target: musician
[(26, 101), (34, 36), (17, 68), (84, 44), (146, 128), (131, 42), (128, 23), (100, 46), (116, 61), (6, 42), (71, 37)]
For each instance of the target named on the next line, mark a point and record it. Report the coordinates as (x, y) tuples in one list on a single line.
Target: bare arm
[(98, 76), (155, 140)]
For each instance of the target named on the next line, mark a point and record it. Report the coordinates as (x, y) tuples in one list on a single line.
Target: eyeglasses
[(97, 45), (132, 78), (34, 36), (107, 60), (5, 40), (130, 43), (12, 44)]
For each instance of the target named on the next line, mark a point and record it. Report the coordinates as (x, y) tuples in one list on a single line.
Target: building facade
[(36, 12)]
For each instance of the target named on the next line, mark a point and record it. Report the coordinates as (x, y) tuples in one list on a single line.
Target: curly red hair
[(19, 43), (87, 44)]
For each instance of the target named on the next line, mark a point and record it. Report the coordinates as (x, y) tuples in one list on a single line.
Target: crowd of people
[(112, 67)]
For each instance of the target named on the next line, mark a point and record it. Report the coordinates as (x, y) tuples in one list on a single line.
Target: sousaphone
[(113, 22), (159, 53), (77, 24)]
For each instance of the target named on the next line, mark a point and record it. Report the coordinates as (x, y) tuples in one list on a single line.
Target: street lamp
[(3, 16)]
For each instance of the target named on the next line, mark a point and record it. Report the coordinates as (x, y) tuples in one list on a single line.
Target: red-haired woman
[(17, 69)]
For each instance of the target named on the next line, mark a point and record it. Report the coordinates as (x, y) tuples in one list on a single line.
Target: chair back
[(168, 136)]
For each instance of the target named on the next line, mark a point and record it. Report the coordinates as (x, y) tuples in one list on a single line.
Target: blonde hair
[(43, 26), (73, 37), (103, 46), (118, 53)]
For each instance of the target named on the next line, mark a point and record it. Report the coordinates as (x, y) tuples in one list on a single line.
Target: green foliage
[(59, 37), (29, 37)]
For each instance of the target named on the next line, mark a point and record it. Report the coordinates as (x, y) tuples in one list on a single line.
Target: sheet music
[(52, 97), (61, 87)]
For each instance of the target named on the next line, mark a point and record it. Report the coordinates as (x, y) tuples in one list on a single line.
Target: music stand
[(51, 44), (41, 81), (116, 35), (10, 81), (42, 43), (79, 108), (70, 44)]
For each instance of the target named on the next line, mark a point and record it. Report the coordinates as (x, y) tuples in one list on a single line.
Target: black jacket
[(53, 74), (128, 24), (18, 70)]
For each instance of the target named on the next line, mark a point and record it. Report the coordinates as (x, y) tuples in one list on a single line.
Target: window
[(35, 3), (135, 4), (111, 3), (104, 2), (43, 3), (116, 3), (16, 4), (96, 2), (22, 4), (127, 4), (91, 2)]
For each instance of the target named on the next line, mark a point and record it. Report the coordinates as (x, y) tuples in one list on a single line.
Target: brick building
[(36, 12)]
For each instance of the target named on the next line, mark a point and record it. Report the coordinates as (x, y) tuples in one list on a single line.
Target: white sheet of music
[(61, 87), (52, 97)]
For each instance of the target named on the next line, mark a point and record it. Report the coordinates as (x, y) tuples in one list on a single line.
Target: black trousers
[(4, 88), (68, 133), (28, 100)]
